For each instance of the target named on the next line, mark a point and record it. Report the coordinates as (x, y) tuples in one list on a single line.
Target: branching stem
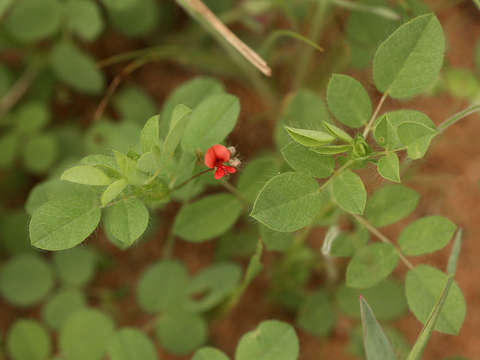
[(369, 125)]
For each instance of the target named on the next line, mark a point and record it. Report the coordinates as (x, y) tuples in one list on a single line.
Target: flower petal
[(221, 152), (210, 158), (230, 169), (219, 173)]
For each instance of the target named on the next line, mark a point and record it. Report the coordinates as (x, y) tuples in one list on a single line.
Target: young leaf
[(214, 284), (33, 20), (128, 169), (150, 135), (390, 204), (63, 223), (63, 304), (377, 345), (423, 286), (271, 340), (211, 122), (126, 220), (207, 218), (303, 159), (171, 330), (163, 287), (389, 167), (25, 280), (426, 235), (452, 260), (424, 336), (85, 335), (76, 68), (337, 132), (408, 62), (131, 344), (332, 149), (28, 340), (309, 138), (209, 353), (86, 175), (75, 267), (316, 315), (416, 137), (349, 192), (112, 191), (348, 101), (286, 195), (371, 264)]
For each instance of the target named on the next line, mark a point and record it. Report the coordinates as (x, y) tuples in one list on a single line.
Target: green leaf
[(423, 285), (190, 93), (348, 101), (39, 153), (275, 240), (126, 220), (63, 304), (371, 264), (172, 328), (32, 20), (28, 340), (75, 267), (104, 136), (271, 340), (8, 149), (25, 280), (389, 167), (424, 336), (387, 298), (213, 285), (211, 121), (288, 202), (209, 353), (32, 117), (408, 62), (303, 159), (112, 191), (150, 135), (85, 335), (309, 138), (455, 252), (162, 286), (63, 223), (135, 19), (207, 218), (349, 192), (255, 174), (346, 244), (180, 119), (426, 235), (86, 175), (377, 345), (84, 18), (316, 315), (76, 68), (128, 169), (390, 204), (14, 232), (131, 344), (134, 104), (416, 137)]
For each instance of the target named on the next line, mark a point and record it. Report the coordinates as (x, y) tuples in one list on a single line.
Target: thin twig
[(457, 117), (134, 65), (199, 8), (235, 192), (383, 238), (374, 115), (190, 179)]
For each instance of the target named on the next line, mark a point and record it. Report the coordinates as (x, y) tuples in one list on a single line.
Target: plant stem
[(457, 117), (190, 179), (235, 192), (374, 115), (305, 59), (383, 238), (168, 246)]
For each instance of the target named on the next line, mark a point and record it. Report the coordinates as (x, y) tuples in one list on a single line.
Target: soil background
[(447, 179)]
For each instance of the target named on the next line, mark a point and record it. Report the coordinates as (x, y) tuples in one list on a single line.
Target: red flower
[(215, 157)]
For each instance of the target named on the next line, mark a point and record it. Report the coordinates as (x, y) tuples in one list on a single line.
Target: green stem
[(235, 192), (169, 243), (374, 115), (305, 59), (190, 179), (383, 238), (457, 117)]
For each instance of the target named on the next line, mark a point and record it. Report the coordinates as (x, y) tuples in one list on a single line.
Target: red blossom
[(215, 157)]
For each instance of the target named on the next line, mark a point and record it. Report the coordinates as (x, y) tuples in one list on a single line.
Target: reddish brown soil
[(447, 179)]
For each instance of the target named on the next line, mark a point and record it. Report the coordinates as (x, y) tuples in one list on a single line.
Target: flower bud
[(232, 150)]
